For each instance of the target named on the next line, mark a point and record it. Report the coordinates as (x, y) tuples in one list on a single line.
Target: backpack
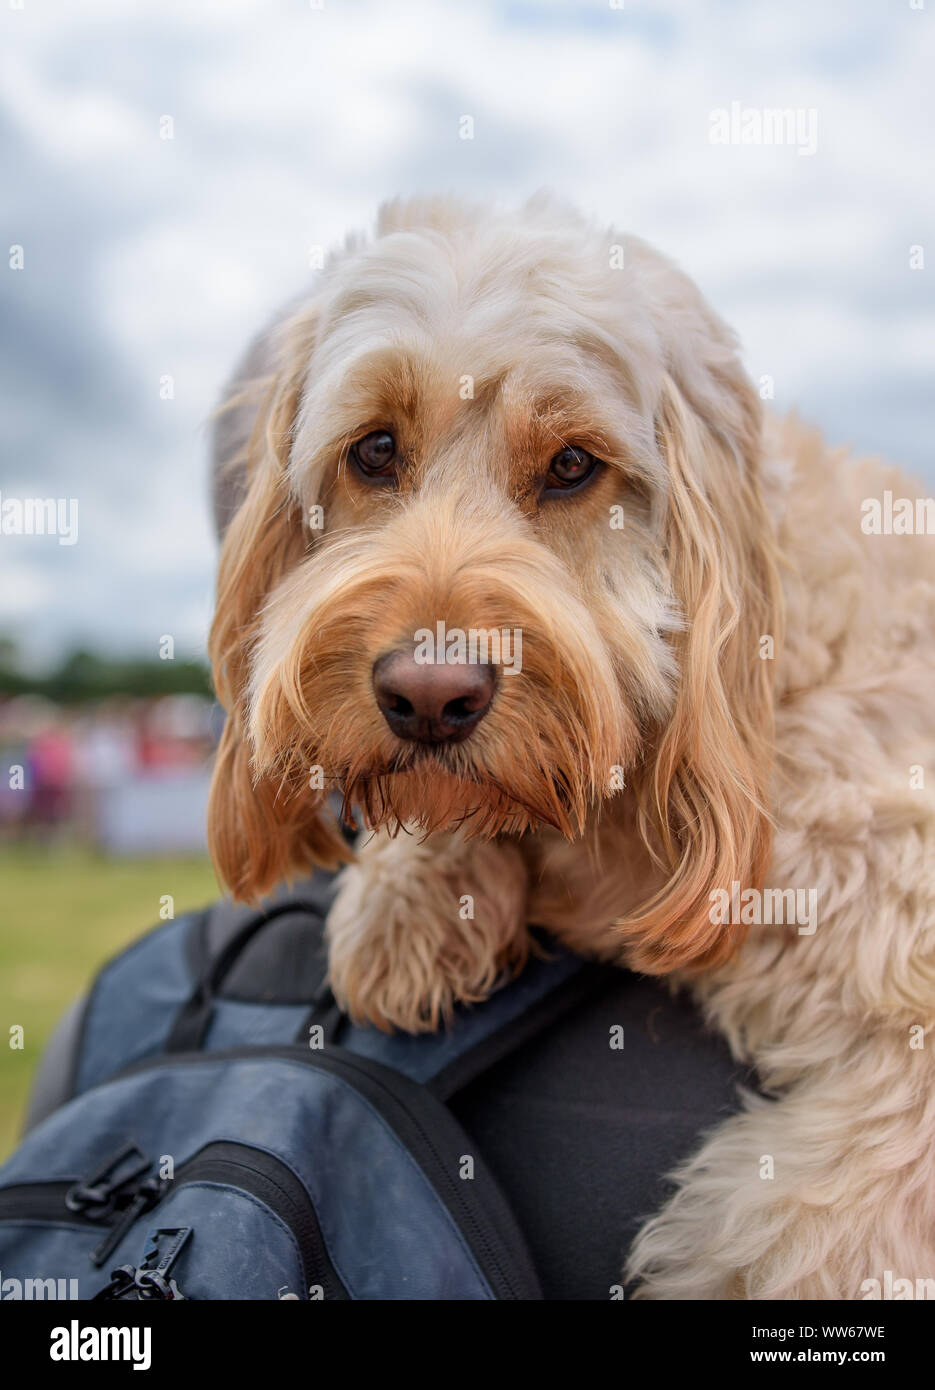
[(220, 1130)]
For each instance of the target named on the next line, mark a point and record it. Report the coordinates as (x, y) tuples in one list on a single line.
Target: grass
[(63, 913)]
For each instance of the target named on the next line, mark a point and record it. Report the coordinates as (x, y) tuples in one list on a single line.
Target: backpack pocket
[(275, 1172)]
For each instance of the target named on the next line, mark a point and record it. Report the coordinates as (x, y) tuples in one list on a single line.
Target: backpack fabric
[(216, 1129)]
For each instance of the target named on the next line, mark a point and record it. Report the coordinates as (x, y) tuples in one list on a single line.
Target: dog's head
[(502, 548)]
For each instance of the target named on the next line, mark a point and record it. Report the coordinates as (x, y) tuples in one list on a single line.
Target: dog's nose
[(431, 703)]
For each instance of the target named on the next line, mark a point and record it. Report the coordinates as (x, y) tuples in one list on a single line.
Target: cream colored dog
[(714, 760)]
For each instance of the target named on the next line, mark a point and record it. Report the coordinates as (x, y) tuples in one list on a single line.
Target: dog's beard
[(546, 753), (441, 789), (534, 761)]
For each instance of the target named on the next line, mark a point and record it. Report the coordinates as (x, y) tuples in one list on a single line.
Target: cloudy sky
[(145, 257)]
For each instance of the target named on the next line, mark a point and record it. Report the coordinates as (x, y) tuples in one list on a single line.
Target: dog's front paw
[(421, 925)]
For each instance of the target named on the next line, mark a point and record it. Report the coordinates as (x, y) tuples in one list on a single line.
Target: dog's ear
[(703, 797), (261, 828)]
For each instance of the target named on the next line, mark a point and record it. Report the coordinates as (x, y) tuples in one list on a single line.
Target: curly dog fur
[(725, 686)]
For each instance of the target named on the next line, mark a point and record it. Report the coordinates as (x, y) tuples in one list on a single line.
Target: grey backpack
[(214, 1128)]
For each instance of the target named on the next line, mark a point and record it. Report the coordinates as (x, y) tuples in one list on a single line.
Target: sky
[(146, 257)]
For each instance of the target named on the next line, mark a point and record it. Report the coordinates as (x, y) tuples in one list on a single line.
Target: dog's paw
[(420, 926)]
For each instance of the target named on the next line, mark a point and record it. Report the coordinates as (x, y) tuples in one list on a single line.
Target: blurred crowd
[(126, 774)]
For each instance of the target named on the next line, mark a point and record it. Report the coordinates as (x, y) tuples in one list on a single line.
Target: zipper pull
[(148, 1193), (150, 1279), (96, 1197)]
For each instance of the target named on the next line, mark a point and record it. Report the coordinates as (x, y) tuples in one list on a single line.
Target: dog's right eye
[(375, 455)]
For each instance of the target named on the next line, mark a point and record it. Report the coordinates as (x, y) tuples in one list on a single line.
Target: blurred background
[(170, 171)]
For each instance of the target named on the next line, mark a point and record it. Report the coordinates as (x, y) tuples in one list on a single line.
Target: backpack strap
[(588, 981), (210, 963), (193, 1019), (553, 982), (235, 953)]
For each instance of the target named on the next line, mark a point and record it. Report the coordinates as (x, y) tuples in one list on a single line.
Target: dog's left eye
[(569, 467), (375, 454)]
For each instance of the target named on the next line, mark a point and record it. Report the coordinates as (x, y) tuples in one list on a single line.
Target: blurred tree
[(83, 675)]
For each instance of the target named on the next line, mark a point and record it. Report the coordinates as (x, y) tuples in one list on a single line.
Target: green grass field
[(62, 914)]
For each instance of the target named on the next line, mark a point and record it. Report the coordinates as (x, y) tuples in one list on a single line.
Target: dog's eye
[(375, 454), (569, 467)]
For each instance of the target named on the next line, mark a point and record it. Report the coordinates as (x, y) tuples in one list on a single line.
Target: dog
[(516, 570)]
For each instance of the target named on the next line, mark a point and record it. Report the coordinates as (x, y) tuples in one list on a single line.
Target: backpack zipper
[(372, 1080), (42, 1201), (98, 1200), (235, 1165), (274, 1184), (399, 1101)]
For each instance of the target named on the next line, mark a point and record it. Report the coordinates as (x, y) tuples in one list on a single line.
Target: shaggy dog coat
[(716, 762)]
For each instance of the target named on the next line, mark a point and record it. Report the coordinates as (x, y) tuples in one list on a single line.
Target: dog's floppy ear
[(260, 828), (703, 798)]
